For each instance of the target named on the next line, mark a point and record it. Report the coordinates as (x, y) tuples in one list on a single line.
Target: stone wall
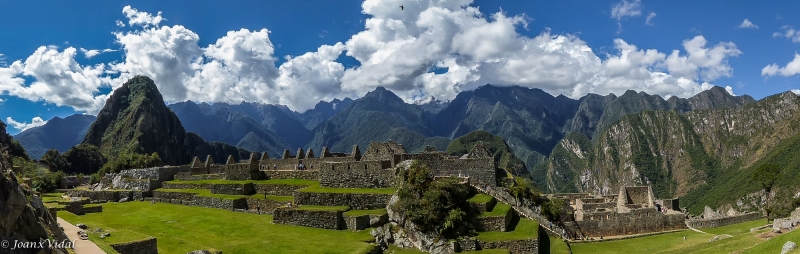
[(514, 246), (93, 209), (227, 204), (365, 221), (107, 195), (186, 186), (307, 218), (148, 246), (485, 207), (357, 201), (360, 174), (233, 189), (291, 163), (312, 175), (243, 174), (496, 223), (481, 171), (173, 196), (277, 189), (264, 205), (638, 221), (719, 222), (185, 176)]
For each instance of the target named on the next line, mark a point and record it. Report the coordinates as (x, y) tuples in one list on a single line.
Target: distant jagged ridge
[(135, 119), (57, 133)]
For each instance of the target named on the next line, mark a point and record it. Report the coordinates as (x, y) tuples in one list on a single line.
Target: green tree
[(766, 175), (130, 161), (84, 159), (53, 159)]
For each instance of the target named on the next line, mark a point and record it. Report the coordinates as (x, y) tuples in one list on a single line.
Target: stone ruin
[(633, 211)]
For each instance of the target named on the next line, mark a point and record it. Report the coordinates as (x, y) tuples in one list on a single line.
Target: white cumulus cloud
[(791, 68), (35, 122), (789, 32), (89, 53), (796, 91), (649, 20), (747, 24), (397, 49)]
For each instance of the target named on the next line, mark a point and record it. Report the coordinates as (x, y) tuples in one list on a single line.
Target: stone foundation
[(165, 195), (496, 223), (277, 189), (233, 189), (365, 221), (307, 218), (719, 222), (312, 175), (149, 246), (185, 186), (186, 176), (637, 221), (514, 246), (108, 195), (264, 205), (357, 201), (357, 174), (227, 204)]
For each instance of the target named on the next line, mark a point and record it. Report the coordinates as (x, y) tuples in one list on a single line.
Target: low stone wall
[(93, 209), (485, 207), (365, 221), (108, 195), (243, 174), (358, 174), (149, 246), (165, 195), (185, 186), (306, 218), (227, 204), (496, 223), (264, 205), (514, 247), (277, 189), (713, 223), (638, 221), (787, 223), (357, 201), (312, 175), (186, 176), (233, 189)]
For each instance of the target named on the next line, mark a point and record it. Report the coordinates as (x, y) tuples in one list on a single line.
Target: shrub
[(433, 206), (53, 159), (84, 159), (130, 161), (48, 182)]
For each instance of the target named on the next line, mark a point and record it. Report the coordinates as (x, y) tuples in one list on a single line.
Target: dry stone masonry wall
[(724, 221), (358, 201), (148, 246), (308, 218)]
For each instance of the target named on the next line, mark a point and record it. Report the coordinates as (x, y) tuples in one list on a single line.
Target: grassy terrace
[(501, 209), (207, 193), (742, 240), (271, 181), (365, 212), (525, 229), (480, 199), (181, 229), (317, 189), (323, 208)]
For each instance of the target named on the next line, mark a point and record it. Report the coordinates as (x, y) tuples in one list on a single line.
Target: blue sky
[(58, 58)]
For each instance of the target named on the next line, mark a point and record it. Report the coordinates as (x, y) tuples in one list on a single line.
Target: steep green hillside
[(503, 155), (136, 120)]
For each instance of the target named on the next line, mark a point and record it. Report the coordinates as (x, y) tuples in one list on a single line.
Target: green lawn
[(181, 229), (207, 193), (365, 212), (271, 181), (558, 246), (695, 242), (501, 209), (525, 229), (775, 244), (480, 199), (388, 191), (323, 208)]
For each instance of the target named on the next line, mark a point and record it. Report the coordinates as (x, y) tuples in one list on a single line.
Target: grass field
[(742, 240), (181, 229), (558, 246), (365, 212), (480, 198), (501, 209), (525, 229), (322, 208)]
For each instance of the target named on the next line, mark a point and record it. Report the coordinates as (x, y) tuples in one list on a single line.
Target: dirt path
[(696, 230), (81, 246)]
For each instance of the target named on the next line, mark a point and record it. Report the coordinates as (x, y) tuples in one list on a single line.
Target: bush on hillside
[(53, 159), (433, 206), (130, 161), (47, 182)]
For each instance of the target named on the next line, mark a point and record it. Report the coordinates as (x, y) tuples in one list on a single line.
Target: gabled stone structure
[(230, 160), (196, 163), (265, 156), (430, 149), (300, 154), (325, 153), (480, 151), (356, 153), (209, 161), (310, 153), (286, 154)]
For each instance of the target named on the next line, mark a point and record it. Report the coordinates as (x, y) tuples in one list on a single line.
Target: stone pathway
[(696, 230), (81, 246)]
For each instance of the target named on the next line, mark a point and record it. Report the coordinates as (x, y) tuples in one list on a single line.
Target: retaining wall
[(496, 223), (173, 195), (357, 201), (233, 189), (713, 223), (365, 221), (149, 246), (312, 175), (638, 221), (186, 176), (359, 174), (265, 205), (306, 218), (227, 204), (277, 189)]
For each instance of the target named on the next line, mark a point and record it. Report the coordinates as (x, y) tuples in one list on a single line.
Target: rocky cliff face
[(675, 153), (23, 216), (135, 119)]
